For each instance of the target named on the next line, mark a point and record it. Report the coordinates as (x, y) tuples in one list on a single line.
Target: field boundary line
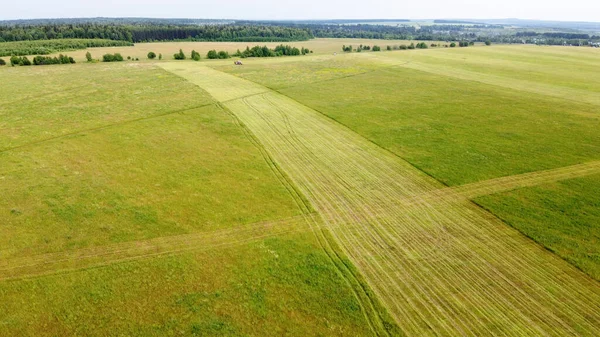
[(508, 183), (107, 126)]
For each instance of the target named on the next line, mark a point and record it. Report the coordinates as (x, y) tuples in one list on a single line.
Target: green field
[(97, 174), (419, 192)]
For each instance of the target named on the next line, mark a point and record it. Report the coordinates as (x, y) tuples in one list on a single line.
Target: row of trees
[(39, 60), (23, 48), (45, 60), (264, 51)]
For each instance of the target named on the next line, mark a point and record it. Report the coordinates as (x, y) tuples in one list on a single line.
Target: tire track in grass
[(509, 183), (50, 263), (442, 266)]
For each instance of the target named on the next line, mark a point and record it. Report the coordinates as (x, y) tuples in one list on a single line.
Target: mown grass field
[(419, 192), (106, 171), (463, 271)]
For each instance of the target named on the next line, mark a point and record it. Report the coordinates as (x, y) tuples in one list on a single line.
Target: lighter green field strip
[(573, 94), (504, 184), (36, 265), (442, 268)]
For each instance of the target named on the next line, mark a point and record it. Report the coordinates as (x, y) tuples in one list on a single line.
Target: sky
[(573, 10)]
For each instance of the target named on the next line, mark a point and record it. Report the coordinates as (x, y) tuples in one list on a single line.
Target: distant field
[(456, 130), (167, 49)]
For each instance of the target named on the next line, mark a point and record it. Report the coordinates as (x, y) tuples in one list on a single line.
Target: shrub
[(488, 43), (151, 55), (116, 57), (403, 47), (376, 48), (179, 56), (195, 55), (421, 45), (388, 48), (347, 49), (2, 62), (160, 56), (88, 56), (212, 54), (223, 55), (411, 46), (452, 45), (19, 61)]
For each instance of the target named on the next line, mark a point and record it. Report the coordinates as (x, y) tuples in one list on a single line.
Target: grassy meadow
[(307, 195), (465, 129), (563, 216), (105, 158)]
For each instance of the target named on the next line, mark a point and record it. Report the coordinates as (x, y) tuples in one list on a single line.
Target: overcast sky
[(573, 10)]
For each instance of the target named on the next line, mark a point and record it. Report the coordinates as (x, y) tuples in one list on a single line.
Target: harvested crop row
[(442, 267)]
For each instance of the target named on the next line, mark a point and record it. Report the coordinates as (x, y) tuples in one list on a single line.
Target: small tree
[(195, 55), (88, 56), (222, 55), (160, 56), (151, 55), (212, 54), (180, 55)]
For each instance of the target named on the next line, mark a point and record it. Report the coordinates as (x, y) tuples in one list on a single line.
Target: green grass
[(458, 131), (175, 174), (278, 286), (44, 102), (441, 266), (101, 158), (563, 216)]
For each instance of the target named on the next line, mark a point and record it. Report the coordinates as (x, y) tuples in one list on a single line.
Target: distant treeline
[(149, 30), (46, 47), (555, 35), (153, 32)]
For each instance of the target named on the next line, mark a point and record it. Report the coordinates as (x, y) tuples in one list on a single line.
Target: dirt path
[(442, 267)]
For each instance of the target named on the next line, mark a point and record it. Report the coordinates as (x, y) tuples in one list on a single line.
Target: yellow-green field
[(418, 192), (167, 49)]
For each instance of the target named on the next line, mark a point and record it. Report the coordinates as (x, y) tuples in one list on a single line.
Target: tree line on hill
[(154, 32), (148, 30), (45, 47)]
